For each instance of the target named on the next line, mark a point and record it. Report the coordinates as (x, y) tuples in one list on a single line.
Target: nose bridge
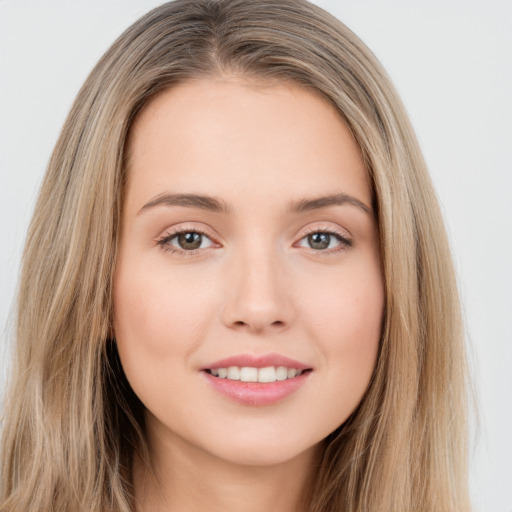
[(257, 296)]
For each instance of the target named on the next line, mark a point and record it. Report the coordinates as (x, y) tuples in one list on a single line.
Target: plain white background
[(451, 62)]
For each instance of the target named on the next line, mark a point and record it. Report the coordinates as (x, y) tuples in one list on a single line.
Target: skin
[(256, 285)]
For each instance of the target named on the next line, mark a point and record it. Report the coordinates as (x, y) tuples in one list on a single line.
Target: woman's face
[(248, 248)]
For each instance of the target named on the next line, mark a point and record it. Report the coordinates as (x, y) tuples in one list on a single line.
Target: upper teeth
[(249, 374)]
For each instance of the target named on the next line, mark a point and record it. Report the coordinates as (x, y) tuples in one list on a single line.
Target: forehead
[(233, 138)]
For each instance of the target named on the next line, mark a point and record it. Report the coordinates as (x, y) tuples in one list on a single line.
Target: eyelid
[(327, 228)]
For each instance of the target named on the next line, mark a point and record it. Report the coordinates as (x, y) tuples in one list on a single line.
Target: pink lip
[(257, 393), (258, 362)]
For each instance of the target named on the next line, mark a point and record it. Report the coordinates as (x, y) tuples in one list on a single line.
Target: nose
[(258, 297)]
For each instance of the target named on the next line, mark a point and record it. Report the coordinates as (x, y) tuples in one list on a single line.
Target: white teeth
[(250, 374), (233, 373), (267, 374), (281, 373)]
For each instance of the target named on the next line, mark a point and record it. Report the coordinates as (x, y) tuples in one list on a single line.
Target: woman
[(231, 286)]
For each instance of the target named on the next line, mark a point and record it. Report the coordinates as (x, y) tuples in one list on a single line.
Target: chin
[(263, 450), (265, 456)]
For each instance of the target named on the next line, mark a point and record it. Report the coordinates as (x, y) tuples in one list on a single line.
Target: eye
[(325, 240), (185, 241)]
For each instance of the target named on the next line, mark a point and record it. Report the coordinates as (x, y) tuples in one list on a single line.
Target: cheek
[(345, 318), (346, 307), (157, 320)]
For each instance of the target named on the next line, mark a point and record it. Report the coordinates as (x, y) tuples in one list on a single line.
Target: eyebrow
[(217, 205)]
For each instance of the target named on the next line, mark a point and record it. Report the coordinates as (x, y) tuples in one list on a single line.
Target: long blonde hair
[(71, 421)]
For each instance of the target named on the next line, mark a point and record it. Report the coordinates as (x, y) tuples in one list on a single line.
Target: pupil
[(190, 240), (319, 240)]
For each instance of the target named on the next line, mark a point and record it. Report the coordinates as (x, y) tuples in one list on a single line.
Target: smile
[(252, 374), (257, 380)]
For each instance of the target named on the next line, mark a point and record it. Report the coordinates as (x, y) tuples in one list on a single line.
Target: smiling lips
[(252, 380)]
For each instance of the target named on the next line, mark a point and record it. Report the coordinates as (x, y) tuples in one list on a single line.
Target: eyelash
[(163, 242)]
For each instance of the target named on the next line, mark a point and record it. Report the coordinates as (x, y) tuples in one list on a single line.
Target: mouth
[(268, 374), (257, 380)]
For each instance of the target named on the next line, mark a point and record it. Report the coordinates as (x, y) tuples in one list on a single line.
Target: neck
[(184, 478)]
